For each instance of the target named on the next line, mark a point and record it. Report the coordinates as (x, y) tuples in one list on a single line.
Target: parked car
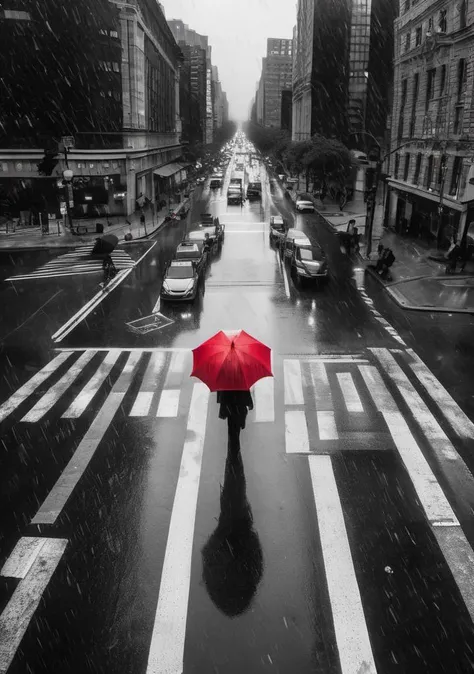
[(277, 229), (304, 203), (288, 242), (216, 181), (181, 281), (192, 252), (308, 262)]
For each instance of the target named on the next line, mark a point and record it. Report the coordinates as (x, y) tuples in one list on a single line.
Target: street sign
[(149, 323), (68, 142)]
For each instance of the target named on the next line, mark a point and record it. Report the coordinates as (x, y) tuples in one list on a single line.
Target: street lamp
[(68, 176)]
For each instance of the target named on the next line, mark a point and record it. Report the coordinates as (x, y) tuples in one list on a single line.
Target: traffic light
[(47, 164)]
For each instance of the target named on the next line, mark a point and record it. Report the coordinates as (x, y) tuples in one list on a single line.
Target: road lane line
[(82, 400), (430, 428), (457, 419), (285, 280), (169, 403), (51, 397), (153, 373), (293, 382), (20, 609), (264, 397), (32, 384), (22, 557), (431, 496), (62, 490), (321, 387), (296, 432), (327, 425), (353, 643), (383, 400), (460, 559), (169, 629), (349, 392)]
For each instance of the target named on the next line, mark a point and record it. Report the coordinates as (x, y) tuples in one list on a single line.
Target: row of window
[(109, 66), (110, 33), (435, 171)]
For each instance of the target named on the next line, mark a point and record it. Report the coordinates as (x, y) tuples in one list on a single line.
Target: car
[(304, 203), (288, 242), (308, 262), (277, 229), (192, 252), (254, 190), (234, 195), (216, 181), (181, 281)]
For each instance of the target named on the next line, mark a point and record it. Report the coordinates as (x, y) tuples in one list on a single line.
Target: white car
[(304, 203)]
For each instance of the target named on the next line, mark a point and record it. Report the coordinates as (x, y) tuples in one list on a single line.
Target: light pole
[(68, 175)]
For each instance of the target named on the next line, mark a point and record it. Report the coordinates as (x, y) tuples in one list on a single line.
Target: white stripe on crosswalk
[(293, 382), (327, 425), (22, 557), (353, 643), (57, 498), (20, 609), (384, 402), (79, 405), (169, 403), (153, 373), (321, 388), (169, 629), (32, 384), (175, 373), (296, 432), (51, 397), (349, 392), (264, 397)]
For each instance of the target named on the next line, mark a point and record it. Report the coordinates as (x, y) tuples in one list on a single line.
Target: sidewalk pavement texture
[(32, 238), (418, 277)]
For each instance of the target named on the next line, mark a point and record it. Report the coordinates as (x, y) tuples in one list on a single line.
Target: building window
[(442, 22), (407, 42), (457, 170), (17, 16), (442, 79), (430, 85), (113, 33), (430, 24), (396, 168), (418, 35), (462, 78), (406, 167), (407, 5), (116, 67), (458, 119), (429, 172), (462, 14), (416, 84), (441, 170)]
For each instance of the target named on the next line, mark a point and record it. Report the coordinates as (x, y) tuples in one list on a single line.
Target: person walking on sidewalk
[(355, 240), (234, 406)]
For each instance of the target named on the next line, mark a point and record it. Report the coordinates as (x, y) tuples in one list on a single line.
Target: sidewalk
[(419, 280), (59, 236)]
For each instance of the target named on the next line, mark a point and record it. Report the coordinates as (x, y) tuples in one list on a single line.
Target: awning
[(168, 170)]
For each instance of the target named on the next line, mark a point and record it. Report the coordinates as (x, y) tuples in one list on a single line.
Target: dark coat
[(235, 405)]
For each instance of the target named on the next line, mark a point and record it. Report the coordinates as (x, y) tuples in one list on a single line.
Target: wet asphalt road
[(269, 589)]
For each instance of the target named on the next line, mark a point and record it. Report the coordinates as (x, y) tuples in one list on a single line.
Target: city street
[(132, 543)]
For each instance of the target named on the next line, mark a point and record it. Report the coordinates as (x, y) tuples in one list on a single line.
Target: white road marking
[(244, 231), (431, 429), (321, 387), (353, 643), (22, 557), (351, 397), (169, 630), (62, 490), (20, 609), (336, 359), (296, 432), (285, 280), (293, 382), (460, 559), (51, 397), (429, 492), (175, 373), (327, 425), (157, 307), (153, 373), (32, 384), (169, 403), (458, 420), (79, 405), (383, 400), (264, 397), (152, 349)]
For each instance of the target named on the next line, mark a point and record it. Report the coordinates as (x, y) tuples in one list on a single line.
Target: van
[(289, 242)]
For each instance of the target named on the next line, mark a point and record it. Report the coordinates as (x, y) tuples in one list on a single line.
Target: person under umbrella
[(234, 406)]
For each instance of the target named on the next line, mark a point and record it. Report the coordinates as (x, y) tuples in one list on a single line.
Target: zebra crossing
[(324, 404), (74, 263)]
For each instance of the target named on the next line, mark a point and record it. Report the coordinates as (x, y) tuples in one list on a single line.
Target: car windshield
[(186, 271), (196, 236), (279, 226), (309, 254)]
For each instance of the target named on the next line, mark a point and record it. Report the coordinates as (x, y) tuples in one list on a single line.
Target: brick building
[(431, 195)]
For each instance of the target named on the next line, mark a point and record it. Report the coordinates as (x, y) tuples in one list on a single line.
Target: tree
[(328, 161)]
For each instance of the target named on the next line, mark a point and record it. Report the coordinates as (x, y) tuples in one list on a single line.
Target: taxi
[(181, 281)]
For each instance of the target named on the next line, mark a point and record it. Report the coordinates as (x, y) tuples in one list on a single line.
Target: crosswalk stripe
[(327, 425), (349, 392), (32, 384), (175, 373), (353, 643), (296, 432), (51, 397), (153, 373), (169, 403), (22, 557), (458, 420), (169, 630), (62, 490), (293, 382), (321, 388), (82, 400), (384, 402), (264, 397), (20, 609)]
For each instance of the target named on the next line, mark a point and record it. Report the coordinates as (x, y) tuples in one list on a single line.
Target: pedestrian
[(453, 255), (142, 218), (350, 226), (234, 406), (355, 240)]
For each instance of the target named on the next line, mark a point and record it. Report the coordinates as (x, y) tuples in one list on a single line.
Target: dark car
[(254, 190), (277, 229), (308, 262)]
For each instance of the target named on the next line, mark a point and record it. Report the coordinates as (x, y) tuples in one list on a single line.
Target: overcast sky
[(238, 32)]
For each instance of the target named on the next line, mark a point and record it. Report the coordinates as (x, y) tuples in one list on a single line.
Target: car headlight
[(166, 286), (190, 287)]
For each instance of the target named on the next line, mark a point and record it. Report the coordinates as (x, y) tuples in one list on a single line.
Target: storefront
[(169, 182)]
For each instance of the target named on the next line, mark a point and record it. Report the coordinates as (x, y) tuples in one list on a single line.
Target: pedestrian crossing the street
[(324, 404), (74, 263)]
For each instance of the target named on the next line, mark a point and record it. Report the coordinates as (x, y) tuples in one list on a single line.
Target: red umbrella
[(231, 361)]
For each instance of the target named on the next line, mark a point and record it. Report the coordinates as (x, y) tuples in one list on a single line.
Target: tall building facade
[(432, 171), (109, 83), (276, 77)]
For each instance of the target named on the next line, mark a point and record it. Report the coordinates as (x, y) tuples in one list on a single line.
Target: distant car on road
[(304, 203), (181, 281)]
